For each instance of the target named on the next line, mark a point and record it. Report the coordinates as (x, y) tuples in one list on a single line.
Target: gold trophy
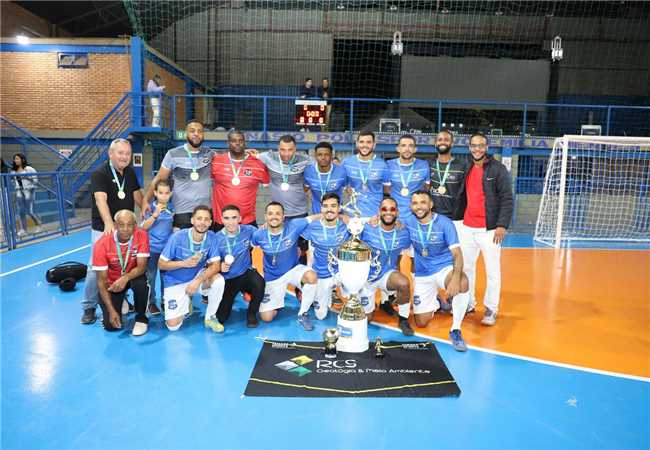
[(330, 336)]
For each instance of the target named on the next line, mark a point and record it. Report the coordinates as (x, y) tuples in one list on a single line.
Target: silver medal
[(121, 195), (235, 181), (404, 192), (284, 186), (194, 176)]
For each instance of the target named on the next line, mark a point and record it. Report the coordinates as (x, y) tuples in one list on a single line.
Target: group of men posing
[(442, 214)]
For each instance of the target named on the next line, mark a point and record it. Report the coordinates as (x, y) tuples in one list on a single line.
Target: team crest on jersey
[(364, 301), (416, 300), (248, 172), (266, 298), (206, 160), (172, 304)]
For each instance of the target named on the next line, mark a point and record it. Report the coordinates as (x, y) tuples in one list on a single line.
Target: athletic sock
[(459, 308)]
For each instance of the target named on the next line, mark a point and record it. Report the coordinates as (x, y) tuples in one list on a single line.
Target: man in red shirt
[(120, 260), (486, 204), (236, 177)]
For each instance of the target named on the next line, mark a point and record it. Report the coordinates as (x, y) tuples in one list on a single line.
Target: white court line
[(4, 274), (528, 358)]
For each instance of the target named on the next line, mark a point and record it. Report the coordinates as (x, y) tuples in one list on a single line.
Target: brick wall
[(173, 85), (35, 94)]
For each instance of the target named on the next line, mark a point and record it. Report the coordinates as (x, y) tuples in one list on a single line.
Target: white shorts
[(275, 290), (425, 291), (323, 299), (177, 302), (370, 289)]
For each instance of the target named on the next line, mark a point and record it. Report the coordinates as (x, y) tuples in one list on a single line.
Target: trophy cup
[(354, 259), (330, 336)]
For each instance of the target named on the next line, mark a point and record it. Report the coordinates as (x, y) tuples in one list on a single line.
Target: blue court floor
[(69, 386)]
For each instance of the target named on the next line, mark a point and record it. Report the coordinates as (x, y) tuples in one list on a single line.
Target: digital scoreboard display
[(311, 112)]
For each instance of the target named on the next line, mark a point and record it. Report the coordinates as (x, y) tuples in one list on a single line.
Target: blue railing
[(275, 113), (54, 211), (38, 153)]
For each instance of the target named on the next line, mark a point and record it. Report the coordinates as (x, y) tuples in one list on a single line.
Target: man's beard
[(387, 223), (443, 150), (192, 144), (478, 159)]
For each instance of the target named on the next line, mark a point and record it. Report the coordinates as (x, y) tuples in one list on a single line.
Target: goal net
[(596, 189)]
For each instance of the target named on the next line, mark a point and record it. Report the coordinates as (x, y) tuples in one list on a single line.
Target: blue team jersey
[(388, 249), (237, 246), (412, 176), (178, 248), (437, 237), (375, 173), (161, 229), (280, 250), (323, 183), (323, 239)]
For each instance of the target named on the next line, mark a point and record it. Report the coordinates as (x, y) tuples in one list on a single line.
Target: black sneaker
[(387, 307), (88, 316), (251, 321), (405, 327)]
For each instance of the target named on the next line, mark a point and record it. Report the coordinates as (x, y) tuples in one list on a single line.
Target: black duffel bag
[(66, 274)]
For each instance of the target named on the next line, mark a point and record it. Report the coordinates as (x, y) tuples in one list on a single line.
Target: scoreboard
[(311, 112)]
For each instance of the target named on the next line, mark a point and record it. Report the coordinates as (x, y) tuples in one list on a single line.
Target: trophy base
[(354, 335)]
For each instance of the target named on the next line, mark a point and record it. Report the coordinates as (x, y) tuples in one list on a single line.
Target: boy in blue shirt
[(233, 250), (438, 264), (182, 264), (279, 243), (158, 221)]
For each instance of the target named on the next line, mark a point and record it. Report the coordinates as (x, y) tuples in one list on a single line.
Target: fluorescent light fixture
[(22, 39)]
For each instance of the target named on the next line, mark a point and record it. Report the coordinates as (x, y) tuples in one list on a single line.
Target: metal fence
[(276, 113), (40, 205)]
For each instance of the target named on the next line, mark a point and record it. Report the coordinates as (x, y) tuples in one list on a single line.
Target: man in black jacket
[(486, 207)]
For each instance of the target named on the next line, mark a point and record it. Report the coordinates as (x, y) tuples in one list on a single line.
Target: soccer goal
[(596, 189)]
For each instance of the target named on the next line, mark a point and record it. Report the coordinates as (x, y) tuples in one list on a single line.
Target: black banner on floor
[(300, 369)]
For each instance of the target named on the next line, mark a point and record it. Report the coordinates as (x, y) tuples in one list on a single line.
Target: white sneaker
[(139, 329), (490, 318), (21, 233)]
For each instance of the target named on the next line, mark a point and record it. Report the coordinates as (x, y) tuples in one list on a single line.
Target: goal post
[(596, 188)]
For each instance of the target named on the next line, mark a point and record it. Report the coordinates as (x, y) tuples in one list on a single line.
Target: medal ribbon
[(323, 190), (189, 235), (189, 155), (275, 249), (364, 177), (235, 172), (230, 248), (120, 187), (410, 174), (285, 175), (325, 228), (124, 261), (443, 179), (422, 239), (392, 245)]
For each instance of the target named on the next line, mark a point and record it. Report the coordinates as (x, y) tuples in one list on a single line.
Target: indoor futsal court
[(518, 131), (566, 367)]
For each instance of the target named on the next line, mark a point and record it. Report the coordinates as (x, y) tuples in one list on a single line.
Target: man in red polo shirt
[(120, 260), (236, 177), (486, 204)]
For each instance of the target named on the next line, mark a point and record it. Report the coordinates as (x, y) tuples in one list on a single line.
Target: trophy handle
[(351, 205), (375, 264), (331, 262)]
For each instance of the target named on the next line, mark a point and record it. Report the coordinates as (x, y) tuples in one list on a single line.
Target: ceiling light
[(22, 39)]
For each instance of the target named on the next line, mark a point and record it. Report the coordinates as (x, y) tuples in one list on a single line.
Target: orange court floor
[(579, 306)]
